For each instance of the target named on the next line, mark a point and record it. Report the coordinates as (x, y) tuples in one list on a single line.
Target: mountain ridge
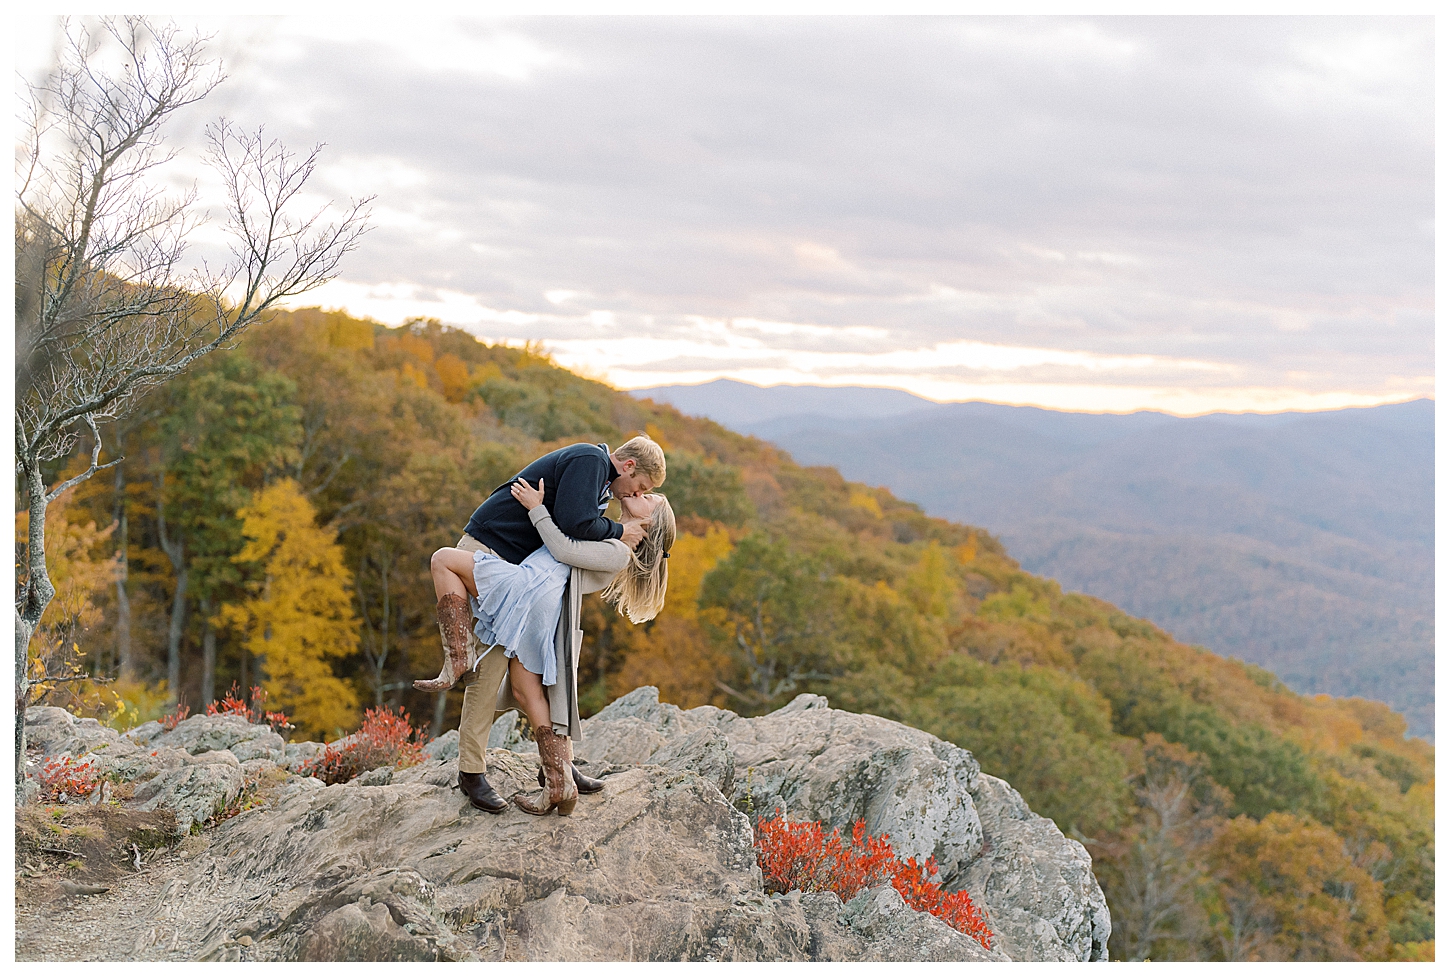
[(1310, 535)]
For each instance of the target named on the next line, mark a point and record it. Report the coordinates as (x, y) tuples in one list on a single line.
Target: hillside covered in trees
[(1303, 542), (273, 518)]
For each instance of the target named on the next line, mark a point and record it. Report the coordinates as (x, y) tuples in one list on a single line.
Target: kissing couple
[(509, 597)]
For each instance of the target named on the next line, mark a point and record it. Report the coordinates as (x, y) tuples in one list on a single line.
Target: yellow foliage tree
[(672, 653), (865, 501), (931, 586), (690, 559), (453, 374), (1288, 890), (299, 616), (345, 332), (80, 575)]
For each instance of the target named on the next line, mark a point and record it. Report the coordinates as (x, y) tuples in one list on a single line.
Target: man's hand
[(633, 533), (527, 495)]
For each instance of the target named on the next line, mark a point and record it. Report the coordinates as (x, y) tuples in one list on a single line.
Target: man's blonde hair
[(648, 457), (638, 591)]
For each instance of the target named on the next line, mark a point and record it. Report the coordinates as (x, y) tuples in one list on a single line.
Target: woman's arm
[(608, 554)]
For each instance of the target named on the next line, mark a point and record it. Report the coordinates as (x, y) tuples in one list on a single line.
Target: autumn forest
[(271, 525)]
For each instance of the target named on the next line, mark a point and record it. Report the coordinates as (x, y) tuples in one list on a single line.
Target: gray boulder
[(817, 763), (443, 748), (200, 734), (1038, 887), (891, 930), (660, 865), (55, 732), (705, 752), (194, 770), (507, 733), (929, 797), (195, 791)]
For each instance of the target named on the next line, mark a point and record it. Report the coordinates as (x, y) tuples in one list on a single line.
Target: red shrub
[(800, 855), (256, 713), (63, 777), (175, 716), (383, 740)]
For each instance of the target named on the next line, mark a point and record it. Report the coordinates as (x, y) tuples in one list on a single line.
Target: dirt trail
[(166, 910), (135, 919)]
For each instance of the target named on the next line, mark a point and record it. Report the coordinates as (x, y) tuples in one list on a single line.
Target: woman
[(532, 611)]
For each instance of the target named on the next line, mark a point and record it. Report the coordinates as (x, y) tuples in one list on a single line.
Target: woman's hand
[(530, 497)]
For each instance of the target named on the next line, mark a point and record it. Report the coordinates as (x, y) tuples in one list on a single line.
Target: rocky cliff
[(659, 866)]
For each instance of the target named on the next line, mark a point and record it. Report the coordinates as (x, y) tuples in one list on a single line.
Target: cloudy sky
[(1187, 214)]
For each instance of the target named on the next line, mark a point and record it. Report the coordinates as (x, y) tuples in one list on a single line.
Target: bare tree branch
[(55, 493), (103, 309)]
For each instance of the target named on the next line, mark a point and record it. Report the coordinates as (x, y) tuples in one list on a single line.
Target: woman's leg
[(453, 580), (529, 691), (453, 572), (560, 794)]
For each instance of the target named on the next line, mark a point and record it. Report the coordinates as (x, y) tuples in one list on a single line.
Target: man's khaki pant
[(480, 690)]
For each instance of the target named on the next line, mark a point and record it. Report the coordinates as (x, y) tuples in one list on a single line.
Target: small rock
[(507, 733), (444, 747)]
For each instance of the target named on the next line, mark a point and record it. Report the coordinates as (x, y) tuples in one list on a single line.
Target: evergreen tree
[(228, 429)]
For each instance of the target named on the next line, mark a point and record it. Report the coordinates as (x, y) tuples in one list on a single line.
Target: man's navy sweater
[(575, 481)]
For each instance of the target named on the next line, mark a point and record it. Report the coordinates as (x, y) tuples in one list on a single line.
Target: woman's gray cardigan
[(594, 565)]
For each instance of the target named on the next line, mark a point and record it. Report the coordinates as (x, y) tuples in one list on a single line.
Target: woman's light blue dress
[(518, 606)]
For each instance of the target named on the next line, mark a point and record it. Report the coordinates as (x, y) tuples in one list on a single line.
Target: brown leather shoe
[(455, 624), (480, 794), (559, 794), (586, 785)]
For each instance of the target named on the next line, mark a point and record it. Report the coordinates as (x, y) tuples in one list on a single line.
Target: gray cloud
[(1252, 191)]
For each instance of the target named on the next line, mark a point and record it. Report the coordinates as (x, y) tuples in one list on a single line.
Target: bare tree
[(103, 308), (1162, 867), (1159, 874)]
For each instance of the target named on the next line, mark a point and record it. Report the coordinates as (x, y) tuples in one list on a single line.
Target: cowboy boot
[(559, 792), (455, 624), (480, 794), (586, 785)]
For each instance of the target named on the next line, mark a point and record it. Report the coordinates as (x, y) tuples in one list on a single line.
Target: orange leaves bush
[(384, 740), (173, 718), (63, 777), (256, 713), (801, 855)]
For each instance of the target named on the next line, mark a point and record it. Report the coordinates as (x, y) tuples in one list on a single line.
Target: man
[(579, 481)]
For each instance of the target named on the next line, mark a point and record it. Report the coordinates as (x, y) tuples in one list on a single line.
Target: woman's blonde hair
[(638, 591)]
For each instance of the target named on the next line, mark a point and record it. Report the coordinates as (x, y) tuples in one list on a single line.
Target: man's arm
[(576, 501)]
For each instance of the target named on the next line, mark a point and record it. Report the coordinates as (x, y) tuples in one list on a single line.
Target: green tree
[(227, 430), (1045, 732), (776, 611), (706, 489), (1263, 771)]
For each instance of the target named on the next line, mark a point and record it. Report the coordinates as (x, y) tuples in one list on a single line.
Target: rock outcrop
[(928, 796), (396, 865)]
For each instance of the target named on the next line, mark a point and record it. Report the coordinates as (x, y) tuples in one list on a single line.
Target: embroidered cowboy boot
[(586, 785), (559, 792), (455, 624)]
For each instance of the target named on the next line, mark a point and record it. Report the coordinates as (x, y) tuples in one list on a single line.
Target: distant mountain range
[(1303, 542)]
